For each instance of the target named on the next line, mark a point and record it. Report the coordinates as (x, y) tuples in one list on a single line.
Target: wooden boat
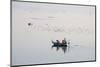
[(59, 46)]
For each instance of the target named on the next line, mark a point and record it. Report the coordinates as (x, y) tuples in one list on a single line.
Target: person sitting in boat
[(64, 42), (56, 43)]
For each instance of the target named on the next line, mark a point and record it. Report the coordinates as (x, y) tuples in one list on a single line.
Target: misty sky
[(56, 15)]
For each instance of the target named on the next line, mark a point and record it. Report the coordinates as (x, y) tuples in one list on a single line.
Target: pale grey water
[(32, 44)]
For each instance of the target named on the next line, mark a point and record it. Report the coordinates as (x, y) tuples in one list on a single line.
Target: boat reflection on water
[(64, 45), (64, 49)]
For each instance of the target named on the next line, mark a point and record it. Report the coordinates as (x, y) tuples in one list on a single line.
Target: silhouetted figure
[(58, 42), (64, 42)]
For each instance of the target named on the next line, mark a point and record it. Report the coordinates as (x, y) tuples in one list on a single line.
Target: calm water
[(32, 44), (37, 49)]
